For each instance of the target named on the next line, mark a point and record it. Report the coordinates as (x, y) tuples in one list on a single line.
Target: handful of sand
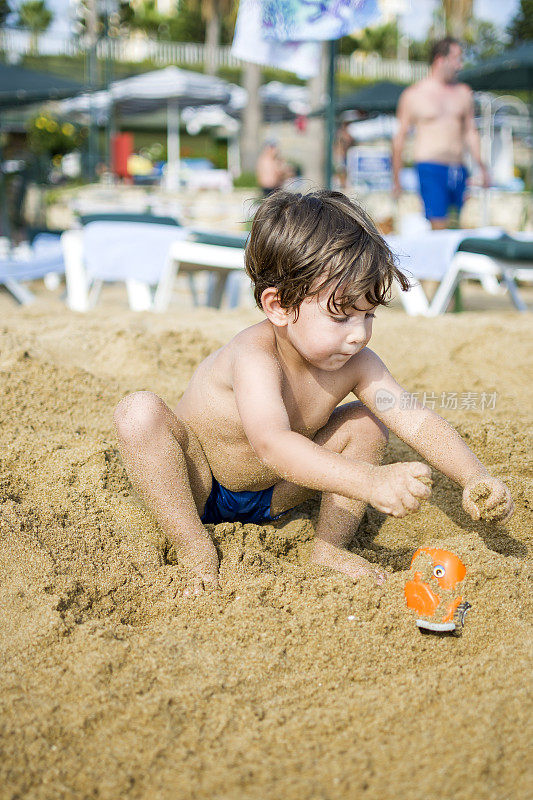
[(479, 495)]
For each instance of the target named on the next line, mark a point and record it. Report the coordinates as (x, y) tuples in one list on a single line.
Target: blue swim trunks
[(441, 186), (225, 506)]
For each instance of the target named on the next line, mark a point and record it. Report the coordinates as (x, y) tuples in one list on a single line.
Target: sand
[(291, 682), (479, 494)]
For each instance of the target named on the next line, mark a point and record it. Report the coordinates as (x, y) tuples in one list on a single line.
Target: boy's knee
[(138, 414), (378, 430), (365, 425)]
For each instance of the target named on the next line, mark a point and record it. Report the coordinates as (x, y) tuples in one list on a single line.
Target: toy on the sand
[(433, 591)]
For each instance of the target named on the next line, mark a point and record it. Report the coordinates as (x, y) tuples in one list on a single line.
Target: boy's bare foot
[(199, 556), (329, 555)]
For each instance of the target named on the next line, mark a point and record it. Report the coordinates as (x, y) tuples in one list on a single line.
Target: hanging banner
[(311, 20), (250, 44)]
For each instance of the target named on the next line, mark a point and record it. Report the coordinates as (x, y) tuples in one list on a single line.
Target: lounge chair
[(132, 252), (506, 259), (449, 256), (146, 253), (225, 266), (222, 261), (218, 281), (43, 259), (128, 216)]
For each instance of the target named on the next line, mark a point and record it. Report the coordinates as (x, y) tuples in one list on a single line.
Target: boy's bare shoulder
[(365, 365), (257, 338)]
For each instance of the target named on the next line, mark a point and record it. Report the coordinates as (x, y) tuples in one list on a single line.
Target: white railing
[(16, 44), (372, 66)]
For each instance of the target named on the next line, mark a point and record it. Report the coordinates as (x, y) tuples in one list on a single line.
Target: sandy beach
[(291, 683)]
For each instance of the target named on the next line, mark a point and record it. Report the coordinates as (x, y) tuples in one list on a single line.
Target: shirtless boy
[(259, 428), (441, 111)]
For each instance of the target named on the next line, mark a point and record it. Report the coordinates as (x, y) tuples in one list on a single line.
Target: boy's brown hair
[(303, 244)]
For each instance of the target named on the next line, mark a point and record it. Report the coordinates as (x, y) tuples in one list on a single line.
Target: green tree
[(5, 11), (186, 25), (120, 21), (213, 13), (482, 40), (36, 16), (419, 50), (458, 14), (147, 18), (348, 45), (521, 27), (382, 39)]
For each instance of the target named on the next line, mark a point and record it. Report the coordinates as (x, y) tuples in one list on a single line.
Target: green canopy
[(381, 98), (510, 71), (19, 86)]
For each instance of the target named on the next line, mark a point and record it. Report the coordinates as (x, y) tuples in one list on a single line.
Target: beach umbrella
[(99, 103), (179, 87), (508, 72), (176, 89), (379, 98), (172, 89), (22, 87), (279, 101), (19, 86)]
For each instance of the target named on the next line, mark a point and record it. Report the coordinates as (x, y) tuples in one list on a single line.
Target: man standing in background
[(441, 111), (271, 170)]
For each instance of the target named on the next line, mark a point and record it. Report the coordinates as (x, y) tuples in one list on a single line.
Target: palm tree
[(36, 16), (213, 11), (521, 25), (458, 13), (252, 117)]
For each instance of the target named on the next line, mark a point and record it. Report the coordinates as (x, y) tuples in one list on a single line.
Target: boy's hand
[(489, 499), (199, 556), (398, 489)]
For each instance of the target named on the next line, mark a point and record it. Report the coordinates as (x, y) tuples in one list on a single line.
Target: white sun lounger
[(135, 253), (497, 264), (194, 256), (147, 257), (438, 256), (44, 258)]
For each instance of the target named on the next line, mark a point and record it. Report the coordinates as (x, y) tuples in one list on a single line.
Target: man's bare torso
[(270, 171), (439, 112), (208, 406)]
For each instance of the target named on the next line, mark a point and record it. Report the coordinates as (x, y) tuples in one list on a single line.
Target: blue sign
[(370, 167)]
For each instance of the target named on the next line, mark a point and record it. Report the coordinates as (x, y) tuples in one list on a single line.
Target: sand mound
[(291, 682)]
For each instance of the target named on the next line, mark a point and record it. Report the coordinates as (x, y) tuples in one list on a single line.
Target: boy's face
[(328, 340)]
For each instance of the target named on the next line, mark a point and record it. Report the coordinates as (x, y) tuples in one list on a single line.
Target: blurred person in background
[(271, 169), (342, 143), (441, 111)]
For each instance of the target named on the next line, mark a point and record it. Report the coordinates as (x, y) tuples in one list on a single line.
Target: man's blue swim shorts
[(441, 186), (225, 506)]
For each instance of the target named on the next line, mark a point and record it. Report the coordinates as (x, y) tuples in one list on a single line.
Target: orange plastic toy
[(434, 590)]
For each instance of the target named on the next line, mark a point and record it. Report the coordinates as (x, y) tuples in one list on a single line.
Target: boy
[(258, 430)]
